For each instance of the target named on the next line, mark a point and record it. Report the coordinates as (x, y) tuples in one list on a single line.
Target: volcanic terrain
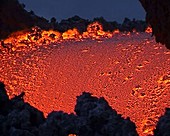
[(130, 70)]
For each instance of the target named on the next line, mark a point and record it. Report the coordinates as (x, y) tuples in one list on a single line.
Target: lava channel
[(130, 70)]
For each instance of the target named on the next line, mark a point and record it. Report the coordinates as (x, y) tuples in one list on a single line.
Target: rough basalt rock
[(97, 118), (4, 100), (13, 17), (158, 16), (18, 118), (94, 117), (59, 124), (163, 125)]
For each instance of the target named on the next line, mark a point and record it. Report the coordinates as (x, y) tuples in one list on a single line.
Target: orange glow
[(95, 31), (71, 35), (38, 36), (148, 29), (148, 127), (116, 31), (130, 70)]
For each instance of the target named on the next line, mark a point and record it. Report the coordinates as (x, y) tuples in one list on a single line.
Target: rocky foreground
[(131, 64), (130, 70), (93, 117)]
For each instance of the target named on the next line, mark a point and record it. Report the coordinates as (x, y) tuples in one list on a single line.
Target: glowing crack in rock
[(148, 29), (130, 70)]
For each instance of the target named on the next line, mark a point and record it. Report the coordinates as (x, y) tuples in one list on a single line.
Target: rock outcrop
[(18, 118), (163, 125), (97, 118), (158, 16), (13, 17), (94, 117)]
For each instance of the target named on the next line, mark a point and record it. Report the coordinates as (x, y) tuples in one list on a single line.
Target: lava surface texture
[(130, 70)]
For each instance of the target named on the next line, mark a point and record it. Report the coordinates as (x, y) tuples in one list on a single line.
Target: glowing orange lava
[(148, 29), (130, 70), (39, 37)]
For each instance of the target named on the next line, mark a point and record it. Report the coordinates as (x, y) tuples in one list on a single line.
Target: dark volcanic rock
[(18, 118), (163, 125), (4, 100), (158, 16), (59, 124), (73, 22), (94, 118), (97, 118), (127, 25), (14, 17)]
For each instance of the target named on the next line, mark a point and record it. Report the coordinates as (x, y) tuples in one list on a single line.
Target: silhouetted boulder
[(73, 22), (107, 26), (163, 125), (18, 118), (158, 16), (94, 117), (58, 124), (97, 118), (4, 100)]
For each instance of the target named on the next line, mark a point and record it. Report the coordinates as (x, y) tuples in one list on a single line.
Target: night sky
[(111, 10)]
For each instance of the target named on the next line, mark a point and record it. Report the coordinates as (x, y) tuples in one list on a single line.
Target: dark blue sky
[(111, 10)]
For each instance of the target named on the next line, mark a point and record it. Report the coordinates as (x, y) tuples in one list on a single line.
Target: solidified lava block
[(18, 118), (59, 123), (163, 125), (94, 118), (13, 17), (158, 16), (97, 118), (4, 100)]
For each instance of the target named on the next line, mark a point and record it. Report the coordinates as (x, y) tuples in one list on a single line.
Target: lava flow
[(130, 70)]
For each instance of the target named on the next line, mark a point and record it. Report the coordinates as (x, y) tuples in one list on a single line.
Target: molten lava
[(129, 69), (36, 36), (148, 29)]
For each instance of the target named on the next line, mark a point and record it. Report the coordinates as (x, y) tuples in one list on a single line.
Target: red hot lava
[(129, 69)]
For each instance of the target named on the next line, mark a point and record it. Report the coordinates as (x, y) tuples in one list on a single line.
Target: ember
[(148, 29)]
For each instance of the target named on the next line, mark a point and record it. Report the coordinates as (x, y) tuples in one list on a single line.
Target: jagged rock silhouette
[(94, 117), (158, 16), (13, 17), (18, 118), (163, 125)]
